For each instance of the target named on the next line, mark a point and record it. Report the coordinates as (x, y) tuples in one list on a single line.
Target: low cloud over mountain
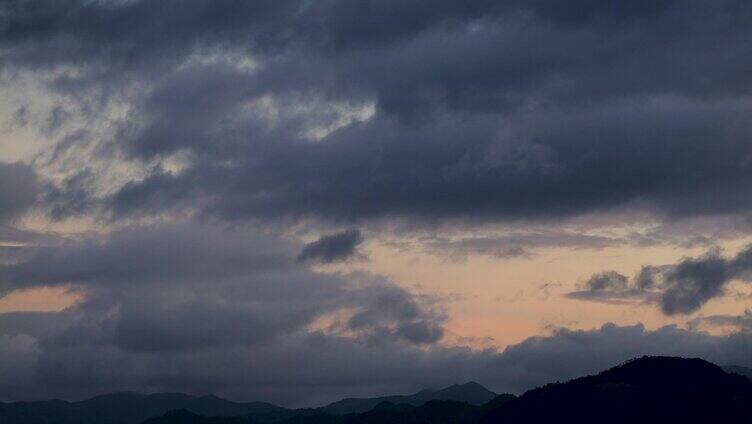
[(164, 160)]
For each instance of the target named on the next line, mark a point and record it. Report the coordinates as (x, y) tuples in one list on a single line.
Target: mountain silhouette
[(735, 369), (433, 412), (134, 408), (181, 416), (645, 390), (126, 408), (472, 393)]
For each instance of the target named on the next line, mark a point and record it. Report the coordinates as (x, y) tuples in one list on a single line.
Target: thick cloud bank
[(434, 110), (55, 355)]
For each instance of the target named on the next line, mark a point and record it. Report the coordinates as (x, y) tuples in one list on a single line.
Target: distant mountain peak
[(736, 369), (470, 384), (647, 389), (470, 392), (132, 408)]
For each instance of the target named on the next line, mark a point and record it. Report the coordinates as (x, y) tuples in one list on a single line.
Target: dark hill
[(646, 390), (181, 416), (735, 369), (472, 393), (126, 408), (432, 412)]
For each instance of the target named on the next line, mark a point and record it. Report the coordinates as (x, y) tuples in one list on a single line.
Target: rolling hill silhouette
[(126, 408), (183, 416), (133, 408), (472, 393), (735, 369), (645, 390), (434, 412)]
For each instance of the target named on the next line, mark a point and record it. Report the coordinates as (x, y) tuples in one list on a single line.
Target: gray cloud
[(742, 323), (681, 288), (480, 111), (259, 272), (188, 286), (333, 247), (19, 188), (179, 253), (308, 368), (612, 287), (518, 243), (19, 191)]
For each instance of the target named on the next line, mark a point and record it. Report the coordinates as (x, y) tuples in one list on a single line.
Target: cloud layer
[(440, 111), (193, 132), (53, 363), (679, 289)]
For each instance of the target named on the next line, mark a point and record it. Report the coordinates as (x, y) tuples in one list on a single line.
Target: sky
[(297, 201)]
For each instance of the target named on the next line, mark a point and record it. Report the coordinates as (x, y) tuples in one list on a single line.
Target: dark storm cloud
[(483, 111), (333, 247), (183, 287), (19, 188), (71, 197), (335, 25), (142, 256), (34, 324), (56, 364), (679, 289), (197, 292)]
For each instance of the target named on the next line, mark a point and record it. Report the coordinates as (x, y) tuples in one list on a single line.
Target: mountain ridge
[(125, 408), (736, 369), (470, 392), (128, 407), (646, 389)]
